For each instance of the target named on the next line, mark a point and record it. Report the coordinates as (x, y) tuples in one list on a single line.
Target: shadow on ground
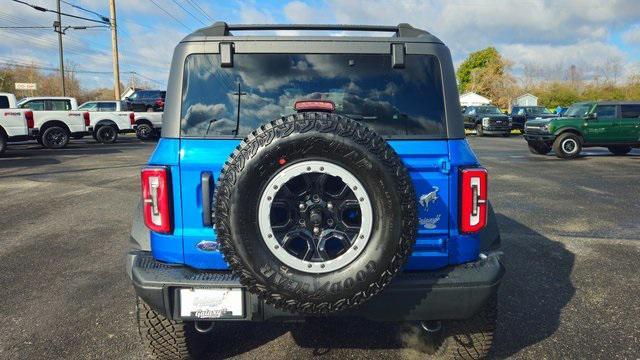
[(238, 338), (535, 289), (33, 155)]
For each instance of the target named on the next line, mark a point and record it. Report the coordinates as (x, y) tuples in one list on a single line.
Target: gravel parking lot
[(571, 239)]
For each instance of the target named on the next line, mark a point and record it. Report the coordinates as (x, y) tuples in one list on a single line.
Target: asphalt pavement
[(571, 242)]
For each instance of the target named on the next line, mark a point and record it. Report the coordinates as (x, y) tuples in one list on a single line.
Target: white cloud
[(546, 32), (586, 55), (632, 36), (549, 32)]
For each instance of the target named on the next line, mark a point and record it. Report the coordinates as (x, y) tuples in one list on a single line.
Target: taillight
[(87, 119), (156, 199), (29, 116), (160, 102), (132, 118), (473, 204)]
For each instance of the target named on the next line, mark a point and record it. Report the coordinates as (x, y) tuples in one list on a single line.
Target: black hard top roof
[(222, 29)]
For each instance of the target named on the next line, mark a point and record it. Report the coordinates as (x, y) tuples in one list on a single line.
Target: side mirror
[(506, 112), (126, 99), (592, 116)]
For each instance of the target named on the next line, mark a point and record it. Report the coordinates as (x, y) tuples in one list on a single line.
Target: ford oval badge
[(206, 245)]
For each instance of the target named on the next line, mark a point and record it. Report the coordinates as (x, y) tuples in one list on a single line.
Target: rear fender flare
[(102, 123)]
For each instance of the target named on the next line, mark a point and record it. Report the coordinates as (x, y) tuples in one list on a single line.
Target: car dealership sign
[(26, 86)]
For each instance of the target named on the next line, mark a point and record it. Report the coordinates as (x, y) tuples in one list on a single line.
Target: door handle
[(205, 182)]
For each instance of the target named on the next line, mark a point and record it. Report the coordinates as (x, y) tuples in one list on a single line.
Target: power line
[(72, 47), (195, 5), (25, 27), (51, 27), (146, 77), (40, 8), (39, 39), (104, 18), (188, 12), (78, 71), (166, 12)]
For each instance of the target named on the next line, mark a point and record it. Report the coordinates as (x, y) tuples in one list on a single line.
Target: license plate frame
[(220, 303)]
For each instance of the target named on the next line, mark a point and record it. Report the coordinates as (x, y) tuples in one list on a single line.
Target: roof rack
[(223, 29)]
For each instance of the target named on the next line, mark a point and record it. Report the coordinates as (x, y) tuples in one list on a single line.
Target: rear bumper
[(455, 292)]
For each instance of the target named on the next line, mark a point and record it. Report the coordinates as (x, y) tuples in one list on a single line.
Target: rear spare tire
[(315, 213)]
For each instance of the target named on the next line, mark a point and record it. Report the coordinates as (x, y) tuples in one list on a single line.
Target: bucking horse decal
[(425, 200)]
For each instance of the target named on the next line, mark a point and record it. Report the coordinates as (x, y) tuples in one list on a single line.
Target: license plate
[(211, 303)]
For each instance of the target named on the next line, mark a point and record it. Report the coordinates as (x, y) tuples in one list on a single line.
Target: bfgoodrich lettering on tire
[(340, 213)]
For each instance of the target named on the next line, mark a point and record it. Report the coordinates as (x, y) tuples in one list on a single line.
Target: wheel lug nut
[(329, 206), (316, 230), (316, 198), (301, 206)]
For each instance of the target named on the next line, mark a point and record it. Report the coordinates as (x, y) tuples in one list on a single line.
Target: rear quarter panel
[(120, 118), (13, 122), (73, 119)]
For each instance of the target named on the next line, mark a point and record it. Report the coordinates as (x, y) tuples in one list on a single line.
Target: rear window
[(60, 105), (36, 105), (4, 102), (630, 111), (262, 87), (108, 106)]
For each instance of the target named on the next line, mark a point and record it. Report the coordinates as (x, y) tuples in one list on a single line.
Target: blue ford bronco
[(314, 176)]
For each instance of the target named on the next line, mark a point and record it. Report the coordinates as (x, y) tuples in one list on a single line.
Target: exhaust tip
[(431, 326), (203, 327)]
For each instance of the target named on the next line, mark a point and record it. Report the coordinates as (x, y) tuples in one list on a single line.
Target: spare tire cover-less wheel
[(3, 143), (55, 137), (107, 134), (315, 213)]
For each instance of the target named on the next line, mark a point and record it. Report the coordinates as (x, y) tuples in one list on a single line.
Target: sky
[(550, 34)]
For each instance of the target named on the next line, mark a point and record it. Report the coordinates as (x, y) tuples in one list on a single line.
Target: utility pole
[(114, 48), (58, 26)]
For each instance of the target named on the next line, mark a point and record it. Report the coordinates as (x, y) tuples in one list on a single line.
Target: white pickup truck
[(147, 125), (55, 120), (15, 124)]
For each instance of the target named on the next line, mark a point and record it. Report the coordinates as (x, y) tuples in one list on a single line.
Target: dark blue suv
[(312, 176)]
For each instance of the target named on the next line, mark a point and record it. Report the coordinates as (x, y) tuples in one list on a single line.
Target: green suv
[(611, 124)]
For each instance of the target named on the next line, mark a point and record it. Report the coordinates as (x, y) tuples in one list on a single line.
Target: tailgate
[(427, 161)]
